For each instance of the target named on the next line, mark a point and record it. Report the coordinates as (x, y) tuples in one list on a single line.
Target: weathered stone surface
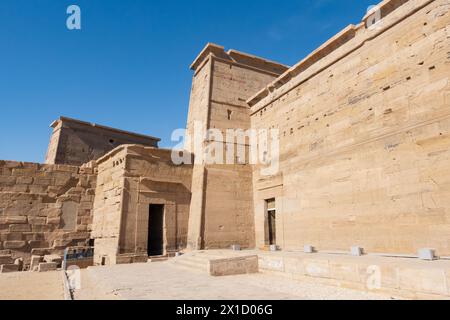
[(40, 251), (14, 244), (34, 263), (44, 267), (6, 268), (13, 219), (53, 258), (364, 140), (364, 151), (31, 209), (6, 259), (234, 266), (19, 228)]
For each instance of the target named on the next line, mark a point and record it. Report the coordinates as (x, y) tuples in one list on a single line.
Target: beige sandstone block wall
[(108, 201), (75, 142), (365, 138), (153, 179), (131, 178), (44, 208), (221, 208)]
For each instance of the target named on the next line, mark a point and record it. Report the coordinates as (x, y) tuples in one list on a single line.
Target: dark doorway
[(156, 230), (271, 222)]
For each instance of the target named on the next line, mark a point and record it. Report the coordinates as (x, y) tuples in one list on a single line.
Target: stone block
[(53, 258), (270, 263), (47, 266), (19, 188), (344, 270), (233, 266), (35, 260), (14, 244), (19, 228), (42, 181), (7, 180), (37, 189), (37, 220), (6, 268), (61, 243), (428, 281), (13, 220), (14, 236), (427, 254), (6, 259), (40, 251), (42, 228), (308, 249), (293, 266), (54, 221), (24, 180), (317, 268), (38, 244)]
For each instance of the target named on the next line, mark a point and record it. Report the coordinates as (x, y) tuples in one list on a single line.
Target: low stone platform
[(170, 281), (220, 262), (404, 277), (401, 277)]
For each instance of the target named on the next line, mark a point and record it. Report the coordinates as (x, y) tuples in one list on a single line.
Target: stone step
[(219, 264), (158, 258)]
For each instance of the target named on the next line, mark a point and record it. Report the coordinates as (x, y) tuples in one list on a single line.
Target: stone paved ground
[(31, 286), (163, 280)]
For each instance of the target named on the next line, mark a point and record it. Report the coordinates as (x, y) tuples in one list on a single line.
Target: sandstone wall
[(75, 142), (108, 200), (365, 138), (44, 208), (130, 180), (221, 210)]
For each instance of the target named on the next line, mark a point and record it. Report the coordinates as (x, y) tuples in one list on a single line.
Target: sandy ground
[(165, 281), (31, 286)]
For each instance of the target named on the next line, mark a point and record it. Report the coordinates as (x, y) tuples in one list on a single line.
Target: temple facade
[(359, 156)]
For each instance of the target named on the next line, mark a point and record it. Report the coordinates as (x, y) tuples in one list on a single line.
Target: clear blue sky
[(129, 65)]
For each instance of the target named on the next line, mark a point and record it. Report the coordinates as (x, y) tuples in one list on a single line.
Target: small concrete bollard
[(236, 247), (308, 249), (427, 254), (356, 251), (273, 247)]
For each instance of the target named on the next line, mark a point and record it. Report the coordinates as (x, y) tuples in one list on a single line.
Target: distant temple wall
[(75, 142), (131, 179), (365, 136)]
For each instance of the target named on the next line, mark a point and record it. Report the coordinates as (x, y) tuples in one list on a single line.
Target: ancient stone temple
[(363, 128)]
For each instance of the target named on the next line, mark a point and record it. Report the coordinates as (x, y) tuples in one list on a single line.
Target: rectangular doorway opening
[(271, 222), (156, 230)]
